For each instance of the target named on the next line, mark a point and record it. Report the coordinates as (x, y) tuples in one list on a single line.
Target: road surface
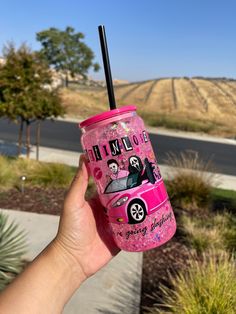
[(66, 135)]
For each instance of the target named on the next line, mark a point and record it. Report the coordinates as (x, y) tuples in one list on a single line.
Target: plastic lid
[(106, 115)]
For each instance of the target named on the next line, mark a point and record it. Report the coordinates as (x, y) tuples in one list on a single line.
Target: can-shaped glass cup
[(128, 179)]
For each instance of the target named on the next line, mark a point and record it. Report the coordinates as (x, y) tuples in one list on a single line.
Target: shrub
[(52, 174), (208, 287), (202, 233), (12, 248), (23, 167), (6, 173), (190, 183), (229, 232), (37, 173), (213, 231)]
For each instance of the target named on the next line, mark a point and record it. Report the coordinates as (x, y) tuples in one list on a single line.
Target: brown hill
[(191, 104)]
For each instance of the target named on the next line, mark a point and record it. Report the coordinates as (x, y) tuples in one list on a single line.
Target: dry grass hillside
[(191, 104)]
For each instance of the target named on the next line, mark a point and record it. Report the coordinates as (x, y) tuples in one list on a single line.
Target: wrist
[(47, 283), (67, 263)]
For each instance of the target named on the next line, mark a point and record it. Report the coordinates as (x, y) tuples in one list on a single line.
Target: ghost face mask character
[(114, 168), (134, 162)]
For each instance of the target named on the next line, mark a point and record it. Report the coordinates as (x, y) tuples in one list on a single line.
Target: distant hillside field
[(190, 104)]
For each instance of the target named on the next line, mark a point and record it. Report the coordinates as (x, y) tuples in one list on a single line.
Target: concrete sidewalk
[(114, 289)]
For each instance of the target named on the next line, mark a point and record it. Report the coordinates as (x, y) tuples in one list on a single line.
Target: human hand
[(84, 232), (82, 246)]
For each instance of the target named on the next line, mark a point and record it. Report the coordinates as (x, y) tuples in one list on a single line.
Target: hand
[(84, 232), (82, 246)]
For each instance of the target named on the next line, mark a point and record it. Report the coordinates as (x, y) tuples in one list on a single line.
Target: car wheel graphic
[(136, 211)]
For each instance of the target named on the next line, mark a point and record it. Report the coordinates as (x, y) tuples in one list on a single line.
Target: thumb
[(79, 184)]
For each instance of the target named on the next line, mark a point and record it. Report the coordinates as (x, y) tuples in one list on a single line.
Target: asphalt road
[(66, 135)]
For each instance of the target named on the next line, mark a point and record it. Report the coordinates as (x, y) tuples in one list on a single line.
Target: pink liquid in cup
[(128, 179)]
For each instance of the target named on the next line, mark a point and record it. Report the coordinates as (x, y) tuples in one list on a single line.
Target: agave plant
[(12, 248)]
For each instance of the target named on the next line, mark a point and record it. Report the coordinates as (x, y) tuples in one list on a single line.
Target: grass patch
[(202, 234), (223, 199), (178, 123), (224, 194), (51, 175), (38, 174), (188, 191), (229, 232), (190, 185), (6, 173), (213, 231), (208, 286)]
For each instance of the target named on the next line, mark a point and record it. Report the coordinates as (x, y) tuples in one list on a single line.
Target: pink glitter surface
[(154, 231), (121, 145)]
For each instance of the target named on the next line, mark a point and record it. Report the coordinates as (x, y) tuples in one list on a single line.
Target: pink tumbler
[(128, 179)]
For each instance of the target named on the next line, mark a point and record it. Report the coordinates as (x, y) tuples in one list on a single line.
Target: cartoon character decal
[(135, 164), (135, 193), (116, 172)]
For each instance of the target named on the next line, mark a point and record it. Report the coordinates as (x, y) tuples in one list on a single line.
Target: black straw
[(106, 64)]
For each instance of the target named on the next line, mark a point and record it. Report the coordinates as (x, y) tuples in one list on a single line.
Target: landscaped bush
[(202, 234), (213, 231), (208, 287), (6, 173), (229, 232), (24, 166), (12, 248), (52, 174), (189, 184), (36, 173)]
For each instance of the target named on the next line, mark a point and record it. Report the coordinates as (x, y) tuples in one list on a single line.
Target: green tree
[(50, 107), (23, 93), (66, 52)]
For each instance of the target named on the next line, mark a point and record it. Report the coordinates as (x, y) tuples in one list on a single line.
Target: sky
[(146, 39)]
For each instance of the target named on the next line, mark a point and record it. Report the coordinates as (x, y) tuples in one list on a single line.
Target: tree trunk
[(67, 81), (38, 138), (27, 139), (20, 136)]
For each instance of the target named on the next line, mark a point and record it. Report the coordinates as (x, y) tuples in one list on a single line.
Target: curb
[(70, 158), (173, 133)]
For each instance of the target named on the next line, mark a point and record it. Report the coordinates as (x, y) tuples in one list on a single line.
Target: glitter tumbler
[(129, 183)]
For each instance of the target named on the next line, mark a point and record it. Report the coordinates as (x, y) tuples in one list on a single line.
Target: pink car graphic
[(127, 200)]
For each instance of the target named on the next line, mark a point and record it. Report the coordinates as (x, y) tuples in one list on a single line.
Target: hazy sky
[(146, 39)]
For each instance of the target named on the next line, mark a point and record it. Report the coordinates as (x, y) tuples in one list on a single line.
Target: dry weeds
[(208, 105)]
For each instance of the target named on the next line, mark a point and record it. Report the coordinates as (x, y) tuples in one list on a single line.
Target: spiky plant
[(12, 248), (204, 233), (208, 287), (189, 183), (6, 173), (51, 174)]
